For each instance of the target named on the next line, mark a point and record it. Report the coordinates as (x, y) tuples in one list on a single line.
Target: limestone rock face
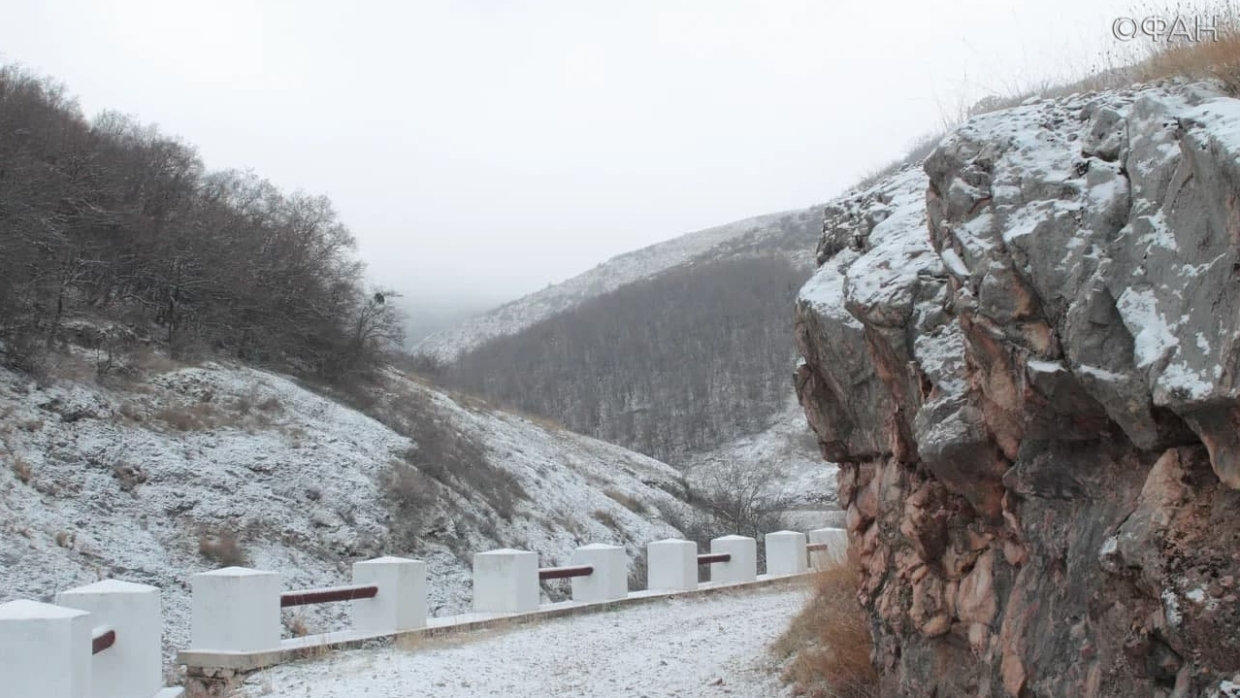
[(1024, 355)]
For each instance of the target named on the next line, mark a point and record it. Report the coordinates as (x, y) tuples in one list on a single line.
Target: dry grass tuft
[(200, 417), (1208, 54), (222, 548), (828, 645), (604, 517), (22, 470), (296, 626), (625, 500)]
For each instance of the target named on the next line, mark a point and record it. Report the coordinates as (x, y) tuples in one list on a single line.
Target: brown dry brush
[(1206, 46), (827, 647)]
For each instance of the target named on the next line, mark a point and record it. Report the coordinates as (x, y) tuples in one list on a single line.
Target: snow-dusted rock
[(999, 346)]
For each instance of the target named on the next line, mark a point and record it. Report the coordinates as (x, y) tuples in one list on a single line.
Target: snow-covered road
[(712, 645)]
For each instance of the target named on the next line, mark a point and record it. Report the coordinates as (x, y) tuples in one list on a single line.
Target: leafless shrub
[(604, 517), (738, 499), (423, 366)]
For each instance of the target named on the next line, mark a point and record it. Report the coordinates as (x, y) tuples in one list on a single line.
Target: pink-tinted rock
[(1023, 354)]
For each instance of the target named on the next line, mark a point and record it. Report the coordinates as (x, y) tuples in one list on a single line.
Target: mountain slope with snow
[(791, 232), (172, 471)]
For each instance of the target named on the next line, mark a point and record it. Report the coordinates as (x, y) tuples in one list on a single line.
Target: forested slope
[(677, 363), (110, 218)]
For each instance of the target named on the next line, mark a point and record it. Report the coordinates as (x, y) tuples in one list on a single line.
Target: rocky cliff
[(1024, 355)]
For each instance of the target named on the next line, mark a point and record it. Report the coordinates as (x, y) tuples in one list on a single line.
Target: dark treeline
[(109, 219), (695, 356)]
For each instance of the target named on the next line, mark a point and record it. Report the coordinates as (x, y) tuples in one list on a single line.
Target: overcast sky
[(483, 149)]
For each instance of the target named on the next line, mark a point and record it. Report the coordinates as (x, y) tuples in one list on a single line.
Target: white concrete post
[(506, 581), (44, 651), (133, 666), (671, 565), (836, 540), (401, 601), (610, 579), (235, 609), (785, 553), (743, 567)]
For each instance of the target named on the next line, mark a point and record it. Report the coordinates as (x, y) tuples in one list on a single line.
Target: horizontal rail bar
[(565, 572), (714, 557), (308, 597), (101, 639), (817, 546)]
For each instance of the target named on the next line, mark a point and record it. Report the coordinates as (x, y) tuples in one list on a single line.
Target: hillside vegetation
[(788, 233), (110, 218), (678, 363)]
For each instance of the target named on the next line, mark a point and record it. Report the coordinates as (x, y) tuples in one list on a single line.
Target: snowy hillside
[(771, 230), (181, 469)]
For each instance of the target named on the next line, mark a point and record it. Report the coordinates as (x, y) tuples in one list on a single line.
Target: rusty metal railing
[(708, 558), (101, 639), (308, 597), (565, 572)]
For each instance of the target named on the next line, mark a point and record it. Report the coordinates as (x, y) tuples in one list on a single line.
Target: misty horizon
[(481, 153)]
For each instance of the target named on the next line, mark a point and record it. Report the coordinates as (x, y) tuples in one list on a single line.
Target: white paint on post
[(401, 601), (785, 553), (610, 579), (506, 581), (836, 540), (671, 565), (743, 567), (133, 666), (235, 609), (44, 651)]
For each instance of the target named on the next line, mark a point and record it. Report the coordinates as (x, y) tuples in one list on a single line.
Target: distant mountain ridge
[(792, 232)]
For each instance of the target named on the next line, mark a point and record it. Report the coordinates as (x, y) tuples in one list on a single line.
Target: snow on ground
[(144, 479), (697, 646), (606, 277)]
